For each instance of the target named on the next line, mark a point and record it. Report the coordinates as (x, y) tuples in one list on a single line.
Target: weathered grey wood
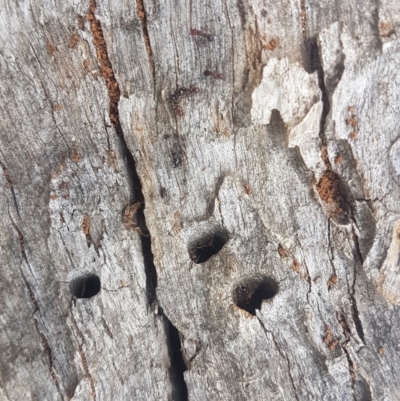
[(288, 148)]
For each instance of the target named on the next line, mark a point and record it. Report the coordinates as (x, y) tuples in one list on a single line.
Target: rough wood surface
[(229, 171)]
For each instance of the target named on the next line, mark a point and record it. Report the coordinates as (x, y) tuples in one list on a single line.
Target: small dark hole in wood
[(206, 246), (85, 286), (250, 293)]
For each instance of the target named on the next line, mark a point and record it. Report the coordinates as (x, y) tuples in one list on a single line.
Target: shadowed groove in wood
[(141, 12), (316, 65), (43, 339), (114, 94), (106, 70), (173, 340), (10, 185), (178, 366)]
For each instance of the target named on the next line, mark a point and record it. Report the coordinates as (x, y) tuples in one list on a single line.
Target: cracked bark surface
[(187, 154)]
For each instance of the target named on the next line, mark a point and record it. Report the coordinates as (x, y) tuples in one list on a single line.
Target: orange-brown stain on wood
[(86, 224), (352, 122), (386, 29), (73, 41), (141, 12), (329, 340), (106, 70), (296, 266), (75, 156), (50, 48), (272, 44), (329, 190), (282, 252), (328, 186), (86, 65), (332, 281), (338, 159), (248, 189)]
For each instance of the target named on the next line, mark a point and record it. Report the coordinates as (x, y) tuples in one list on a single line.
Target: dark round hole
[(250, 293), (206, 246), (85, 286)]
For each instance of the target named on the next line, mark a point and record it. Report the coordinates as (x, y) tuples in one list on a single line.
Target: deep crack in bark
[(347, 334), (47, 350), (43, 339), (141, 12), (114, 94), (316, 65), (331, 256), (173, 341), (351, 370), (11, 186), (354, 308), (178, 366), (83, 356), (283, 355)]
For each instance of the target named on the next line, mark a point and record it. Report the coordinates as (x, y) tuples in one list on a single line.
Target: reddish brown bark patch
[(352, 122), (50, 48), (272, 44), (106, 70), (329, 189), (141, 12), (329, 339), (73, 41)]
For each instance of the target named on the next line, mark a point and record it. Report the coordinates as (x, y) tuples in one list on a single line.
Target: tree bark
[(200, 200)]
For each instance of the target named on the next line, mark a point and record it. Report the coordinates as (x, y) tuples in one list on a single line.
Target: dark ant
[(214, 74), (175, 97), (196, 32)]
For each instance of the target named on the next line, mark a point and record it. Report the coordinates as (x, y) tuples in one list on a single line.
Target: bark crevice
[(177, 366), (32, 298), (354, 308), (283, 355), (315, 64), (114, 93), (141, 12), (347, 334), (10, 185), (80, 341)]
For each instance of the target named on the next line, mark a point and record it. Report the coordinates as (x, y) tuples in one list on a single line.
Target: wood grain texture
[(260, 140)]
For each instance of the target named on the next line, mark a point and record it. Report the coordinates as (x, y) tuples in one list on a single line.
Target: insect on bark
[(196, 32), (214, 74), (175, 98)]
